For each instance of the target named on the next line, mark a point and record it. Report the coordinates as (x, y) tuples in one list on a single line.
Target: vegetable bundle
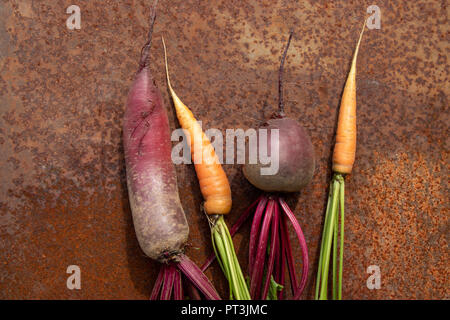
[(161, 225)]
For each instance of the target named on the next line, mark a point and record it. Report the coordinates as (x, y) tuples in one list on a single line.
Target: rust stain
[(63, 197)]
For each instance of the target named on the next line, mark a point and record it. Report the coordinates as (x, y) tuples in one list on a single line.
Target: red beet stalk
[(168, 284), (276, 215)]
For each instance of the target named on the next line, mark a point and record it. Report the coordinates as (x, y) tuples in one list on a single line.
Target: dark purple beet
[(296, 159), (295, 169)]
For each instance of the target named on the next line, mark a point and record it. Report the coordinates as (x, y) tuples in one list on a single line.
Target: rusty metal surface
[(63, 197)]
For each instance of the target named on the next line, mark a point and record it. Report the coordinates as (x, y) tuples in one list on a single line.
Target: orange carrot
[(216, 192), (345, 147), (343, 159), (213, 181)]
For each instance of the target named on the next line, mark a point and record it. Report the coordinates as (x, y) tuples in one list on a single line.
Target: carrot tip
[(345, 147)]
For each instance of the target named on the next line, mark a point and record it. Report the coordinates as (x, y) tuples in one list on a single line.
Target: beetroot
[(296, 158)]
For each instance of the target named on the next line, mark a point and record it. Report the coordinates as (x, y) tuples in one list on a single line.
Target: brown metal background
[(63, 200)]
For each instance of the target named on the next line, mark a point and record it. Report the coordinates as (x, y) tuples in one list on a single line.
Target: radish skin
[(158, 217)]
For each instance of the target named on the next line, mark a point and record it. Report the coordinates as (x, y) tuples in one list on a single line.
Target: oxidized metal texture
[(63, 198)]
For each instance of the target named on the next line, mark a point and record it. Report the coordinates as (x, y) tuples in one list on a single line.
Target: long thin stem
[(192, 290), (319, 271), (278, 253), (240, 275), (233, 230), (303, 246), (145, 52), (258, 266), (328, 239), (341, 247), (197, 277), (157, 286), (219, 249), (254, 233), (177, 286), (273, 250), (289, 258), (227, 256), (282, 257), (227, 259), (169, 277), (334, 269)]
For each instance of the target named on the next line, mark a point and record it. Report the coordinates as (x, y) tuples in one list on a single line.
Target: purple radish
[(158, 217)]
